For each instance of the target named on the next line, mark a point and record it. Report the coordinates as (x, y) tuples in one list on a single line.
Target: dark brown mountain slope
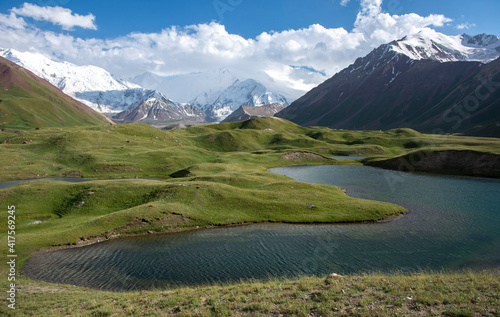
[(387, 90)]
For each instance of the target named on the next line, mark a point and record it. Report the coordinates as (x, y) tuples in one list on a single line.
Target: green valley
[(147, 180)]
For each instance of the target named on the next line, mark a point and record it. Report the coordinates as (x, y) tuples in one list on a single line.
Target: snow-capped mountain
[(241, 93), (211, 91), (98, 88), (416, 82), (159, 108), (113, 101), (186, 87), (432, 45), (209, 85), (53, 107), (205, 87), (218, 93), (68, 77)]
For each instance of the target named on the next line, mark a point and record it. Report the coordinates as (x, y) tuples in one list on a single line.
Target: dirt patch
[(72, 173), (35, 288), (304, 156), (171, 223), (167, 224), (212, 137)]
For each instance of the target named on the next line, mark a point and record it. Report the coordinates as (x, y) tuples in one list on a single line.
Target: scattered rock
[(304, 156), (331, 277)]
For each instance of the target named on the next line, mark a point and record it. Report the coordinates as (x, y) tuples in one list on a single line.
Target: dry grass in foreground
[(426, 294)]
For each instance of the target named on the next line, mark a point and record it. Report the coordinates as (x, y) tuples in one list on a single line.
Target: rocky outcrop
[(453, 162), (248, 112)]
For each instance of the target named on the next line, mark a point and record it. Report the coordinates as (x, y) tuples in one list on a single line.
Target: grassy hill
[(206, 176), (27, 101)]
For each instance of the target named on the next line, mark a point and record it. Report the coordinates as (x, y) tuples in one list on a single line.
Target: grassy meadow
[(147, 180)]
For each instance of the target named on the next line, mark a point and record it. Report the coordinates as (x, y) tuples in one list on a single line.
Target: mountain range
[(428, 81), (104, 92), (222, 91), (27, 101), (214, 95), (187, 87)]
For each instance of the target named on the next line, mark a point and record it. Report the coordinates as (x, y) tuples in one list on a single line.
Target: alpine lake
[(452, 225)]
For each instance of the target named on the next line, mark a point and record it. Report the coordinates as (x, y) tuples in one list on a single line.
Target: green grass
[(31, 104), (140, 150), (428, 294), (207, 176)]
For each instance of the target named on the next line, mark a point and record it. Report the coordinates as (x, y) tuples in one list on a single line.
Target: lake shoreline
[(442, 162), (87, 241)]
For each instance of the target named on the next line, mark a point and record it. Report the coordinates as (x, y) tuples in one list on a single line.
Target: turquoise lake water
[(453, 224)]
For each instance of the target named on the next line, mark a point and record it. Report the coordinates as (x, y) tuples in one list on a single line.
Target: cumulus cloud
[(56, 15), (379, 27), (206, 47)]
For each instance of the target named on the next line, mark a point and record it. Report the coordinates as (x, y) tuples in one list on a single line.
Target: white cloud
[(370, 7), (344, 2), (57, 15), (206, 47), (12, 21), (379, 27), (465, 26)]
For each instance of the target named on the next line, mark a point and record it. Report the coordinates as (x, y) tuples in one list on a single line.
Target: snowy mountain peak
[(147, 80), (247, 92), (185, 87), (429, 44), (104, 92), (66, 76), (223, 70), (481, 40)]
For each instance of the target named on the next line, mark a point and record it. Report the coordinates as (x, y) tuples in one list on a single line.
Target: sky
[(168, 38)]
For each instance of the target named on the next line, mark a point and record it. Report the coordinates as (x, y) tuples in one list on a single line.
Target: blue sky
[(175, 37), (249, 18)]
